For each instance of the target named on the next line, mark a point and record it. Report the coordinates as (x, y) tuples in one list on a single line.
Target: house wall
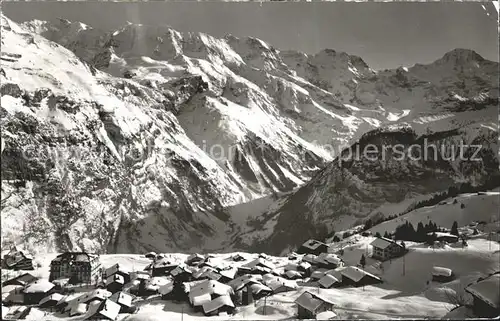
[(303, 313), (483, 310)]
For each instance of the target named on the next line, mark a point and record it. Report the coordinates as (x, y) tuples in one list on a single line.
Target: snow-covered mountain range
[(146, 138)]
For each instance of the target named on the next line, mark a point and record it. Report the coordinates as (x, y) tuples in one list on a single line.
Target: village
[(81, 286)]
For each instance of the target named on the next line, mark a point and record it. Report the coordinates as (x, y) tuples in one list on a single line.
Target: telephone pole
[(404, 266)]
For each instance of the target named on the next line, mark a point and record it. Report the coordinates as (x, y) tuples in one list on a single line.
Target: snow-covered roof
[(311, 258), (14, 297), (259, 262), (201, 299), (140, 275), (305, 265), (318, 274), (115, 269), (291, 267), (202, 271), (383, 243), (10, 288), (488, 290), (278, 282), (241, 281), (328, 280), (100, 294), (166, 288), (313, 244), (106, 308), (217, 303), (22, 279), (39, 286), (259, 287), (194, 258), (180, 269), (210, 287), (78, 309), (311, 301), (354, 273), (229, 273), (74, 256), (154, 283), (53, 297), (122, 298), (441, 271), (293, 274), (443, 234), (328, 258), (163, 263), (326, 315)]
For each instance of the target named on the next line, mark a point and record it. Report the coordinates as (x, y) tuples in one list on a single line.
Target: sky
[(385, 35)]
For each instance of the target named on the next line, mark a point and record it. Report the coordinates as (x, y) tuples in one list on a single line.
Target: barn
[(310, 305), (313, 247)]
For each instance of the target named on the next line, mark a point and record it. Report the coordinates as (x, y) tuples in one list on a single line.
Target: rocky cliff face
[(146, 138)]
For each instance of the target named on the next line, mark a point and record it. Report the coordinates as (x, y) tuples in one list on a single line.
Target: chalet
[(238, 258), (124, 300), (441, 274), (207, 291), (305, 268), (18, 260), (50, 301), (258, 290), (8, 289), (15, 297), (228, 275), (328, 281), (105, 310), (486, 296), (36, 291), (384, 249), (114, 283), (240, 282), (313, 247), (309, 305), (310, 258), (195, 259), (293, 275), (79, 267), (445, 237), (22, 280), (97, 295), (117, 269), (328, 261), (223, 303), (152, 286), (182, 273), (279, 285), (162, 267), (355, 276), (318, 274)]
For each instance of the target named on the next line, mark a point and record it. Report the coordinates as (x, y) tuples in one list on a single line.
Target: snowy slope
[(218, 122)]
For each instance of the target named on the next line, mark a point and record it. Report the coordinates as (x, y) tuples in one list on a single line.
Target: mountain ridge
[(182, 93)]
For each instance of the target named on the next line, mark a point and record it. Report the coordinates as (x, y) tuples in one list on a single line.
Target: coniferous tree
[(378, 234), (362, 261), (454, 228), (386, 235)]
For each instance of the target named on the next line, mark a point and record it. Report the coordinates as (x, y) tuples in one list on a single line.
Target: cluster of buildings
[(207, 285)]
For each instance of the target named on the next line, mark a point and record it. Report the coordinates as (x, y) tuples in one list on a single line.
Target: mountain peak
[(461, 56)]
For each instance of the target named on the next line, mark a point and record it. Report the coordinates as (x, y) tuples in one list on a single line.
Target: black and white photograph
[(249, 161)]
